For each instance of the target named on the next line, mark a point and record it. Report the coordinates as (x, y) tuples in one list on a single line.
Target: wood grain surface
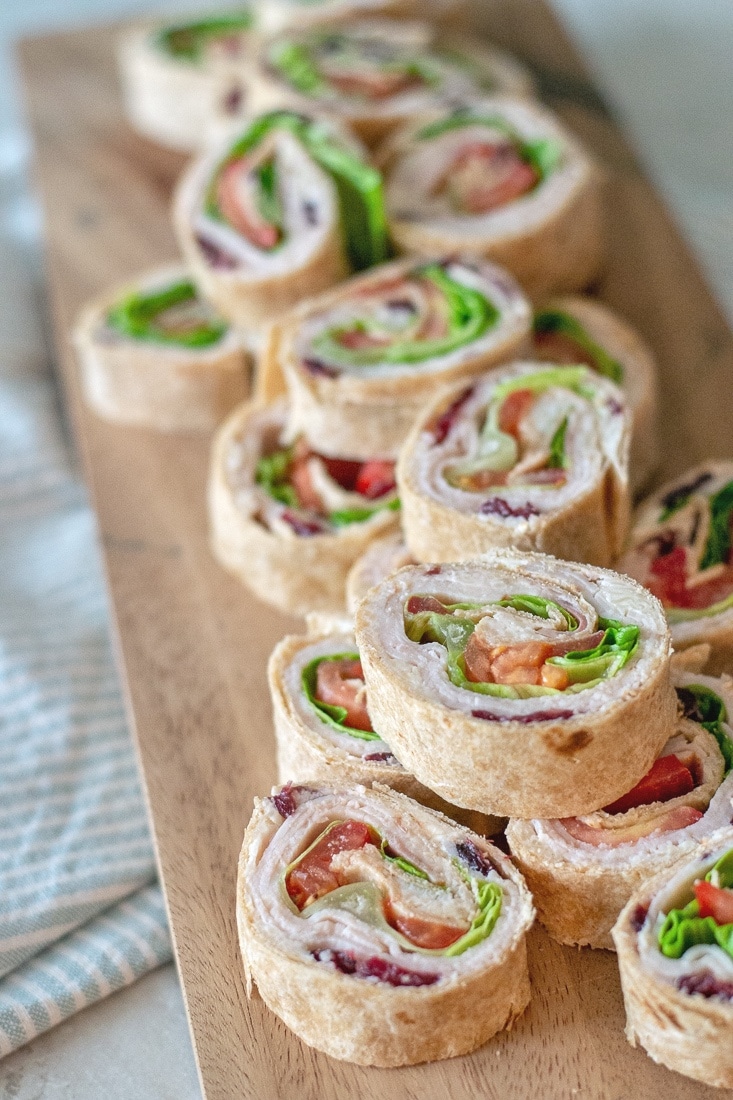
[(192, 645)]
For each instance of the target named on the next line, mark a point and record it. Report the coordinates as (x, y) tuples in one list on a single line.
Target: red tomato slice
[(668, 581), (485, 176), (514, 407), (244, 218), (343, 471), (341, 684), (667, 778), (375, 84), (417, 604), (558, 347), (300, 479), (313, 877), (428, 934), (357, 339), (714, 902), (375, 478)]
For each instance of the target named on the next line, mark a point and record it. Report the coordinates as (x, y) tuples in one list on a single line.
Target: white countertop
[(666, 66)]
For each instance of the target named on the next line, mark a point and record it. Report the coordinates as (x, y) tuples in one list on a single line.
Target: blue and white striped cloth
[(80, 915)]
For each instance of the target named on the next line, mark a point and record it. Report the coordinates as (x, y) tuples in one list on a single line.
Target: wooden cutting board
[(192, 645)]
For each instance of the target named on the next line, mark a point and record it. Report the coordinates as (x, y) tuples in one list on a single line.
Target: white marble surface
[(666, 66)]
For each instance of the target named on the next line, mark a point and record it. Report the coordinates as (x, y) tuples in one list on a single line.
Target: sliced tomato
[(514, 407), (344, 471), (520, 664), (417, 604), (477, 660), (558, 347), (313, 877), (487, 175), (358, 339), (667, 778), (668, 581), (341, 684), (678, 818), (240, 213), (375, 479), (714, 902), (428, 934)]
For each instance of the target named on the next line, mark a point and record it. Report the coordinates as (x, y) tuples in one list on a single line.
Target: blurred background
[(665, 67)]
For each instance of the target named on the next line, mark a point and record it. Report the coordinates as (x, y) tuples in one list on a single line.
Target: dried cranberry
[(497, 506), (706, 984), (216, 256), (638, 917), (535, 716), (382, 758), (317, 366), (469, 854), (286, 800), (446, 420), (374, 967), (305, 528)]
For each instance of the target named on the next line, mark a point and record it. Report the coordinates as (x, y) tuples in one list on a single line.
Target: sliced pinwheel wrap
[(532, 456), (517, 683), (323, 729), (381, 559), (674, 941), (153, 353), (375, 74), (502, 178), (378, 930), (173, 74), (681, 548), (287, 520), (582, 330), (281, 212), (583, 870), (360, 361)]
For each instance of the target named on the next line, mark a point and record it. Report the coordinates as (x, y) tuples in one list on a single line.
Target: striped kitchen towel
[(74, 838)]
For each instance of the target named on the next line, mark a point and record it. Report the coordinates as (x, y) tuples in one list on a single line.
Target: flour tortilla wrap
[(582, 871), (281, 212), (681, 548), (583, 330), (470, 682), (380, 559), (361, 361), (152, 353), (502, 178), (275, 16), (532, 456), (315, 741), (374, 74), (330, 961), (286, 521), (679, 998), (172, 74)]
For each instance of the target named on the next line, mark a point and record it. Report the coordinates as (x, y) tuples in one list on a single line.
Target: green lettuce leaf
[(187, 41), (557, 459), (703, 706), (359, 515), (332, 716), (718, 545), (470, 315), (138, 317), (489, 897), (271, 474), (554, 320), (683, 928)]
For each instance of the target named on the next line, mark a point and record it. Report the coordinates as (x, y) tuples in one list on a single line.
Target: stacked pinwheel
[(436, 467)]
